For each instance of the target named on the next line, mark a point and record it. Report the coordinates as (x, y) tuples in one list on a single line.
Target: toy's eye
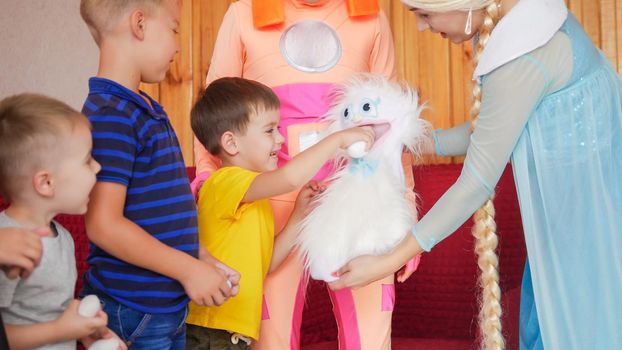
[(368, 109), (346, 112)]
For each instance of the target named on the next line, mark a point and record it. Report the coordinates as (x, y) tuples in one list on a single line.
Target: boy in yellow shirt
[(236, 119)]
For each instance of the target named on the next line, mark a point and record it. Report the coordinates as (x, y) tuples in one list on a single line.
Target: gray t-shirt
[(44, 295)]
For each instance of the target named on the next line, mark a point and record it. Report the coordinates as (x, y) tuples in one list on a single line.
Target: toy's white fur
[(364, 209)]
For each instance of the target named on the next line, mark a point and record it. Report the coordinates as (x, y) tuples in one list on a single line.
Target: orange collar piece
[(363, 7), (270, 12)]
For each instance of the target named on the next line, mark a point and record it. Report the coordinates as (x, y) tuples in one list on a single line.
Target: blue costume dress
[(568, 175), (556, 111)]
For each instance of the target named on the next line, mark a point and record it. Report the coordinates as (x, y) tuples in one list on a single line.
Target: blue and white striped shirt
[(137, 147)]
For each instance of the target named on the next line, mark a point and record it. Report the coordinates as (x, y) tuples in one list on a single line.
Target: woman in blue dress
[(548, 100)]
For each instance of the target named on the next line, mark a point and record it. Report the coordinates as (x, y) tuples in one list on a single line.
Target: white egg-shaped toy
[(105, 344), (89, 306), (357, 149)]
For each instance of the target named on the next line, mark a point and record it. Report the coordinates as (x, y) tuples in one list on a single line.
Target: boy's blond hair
[(101, 15), (31, 126)]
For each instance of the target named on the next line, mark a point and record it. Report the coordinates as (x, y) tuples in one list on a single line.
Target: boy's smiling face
[(258, 147), (74, 174)]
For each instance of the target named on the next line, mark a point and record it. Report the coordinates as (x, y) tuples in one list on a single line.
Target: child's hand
[(75, 326), (353, 135), (103, 333), (407, 270), (307, 193), (21, 250), (195, 185), (232, 275), (206, 284)]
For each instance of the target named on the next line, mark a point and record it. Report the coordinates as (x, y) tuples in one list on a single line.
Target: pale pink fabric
[(302, 104), (388, 297), (345, 315), (265, 313)]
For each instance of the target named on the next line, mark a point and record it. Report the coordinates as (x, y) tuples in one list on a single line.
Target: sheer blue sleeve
[(509, 95), (454, 141)]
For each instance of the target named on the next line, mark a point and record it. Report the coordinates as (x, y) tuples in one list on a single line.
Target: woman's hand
[(366, 269)]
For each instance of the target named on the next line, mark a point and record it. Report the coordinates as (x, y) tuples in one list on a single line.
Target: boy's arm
[(285, 241), (303, 166), (69, 326), (110, 230)]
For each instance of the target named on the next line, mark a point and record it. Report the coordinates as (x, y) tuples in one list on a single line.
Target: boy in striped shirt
[(144, 262)]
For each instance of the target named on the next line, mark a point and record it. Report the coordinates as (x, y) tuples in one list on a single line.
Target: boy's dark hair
[(226, 105), (31, 125)]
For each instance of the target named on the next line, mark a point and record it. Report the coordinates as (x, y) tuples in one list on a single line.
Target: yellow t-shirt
[(241, 235)]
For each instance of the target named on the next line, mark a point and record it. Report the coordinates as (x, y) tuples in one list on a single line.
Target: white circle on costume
[(310, 46)]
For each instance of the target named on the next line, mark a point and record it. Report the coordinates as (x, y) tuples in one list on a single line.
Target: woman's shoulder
[(553, 61), (556, 60)]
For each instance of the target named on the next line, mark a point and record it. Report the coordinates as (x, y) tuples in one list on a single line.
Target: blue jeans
[(142, 331)]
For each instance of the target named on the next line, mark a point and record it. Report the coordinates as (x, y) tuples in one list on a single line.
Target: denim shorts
[(143, 331)]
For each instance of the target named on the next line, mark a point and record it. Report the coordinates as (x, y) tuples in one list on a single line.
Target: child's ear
[(43, 183), (228, 142), (137, 24)]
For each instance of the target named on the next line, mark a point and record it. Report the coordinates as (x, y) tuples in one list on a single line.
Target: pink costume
[(315, 47)]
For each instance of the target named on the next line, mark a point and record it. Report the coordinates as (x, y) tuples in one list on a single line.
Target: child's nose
[(279, 138), (422, 24), (97, 166)]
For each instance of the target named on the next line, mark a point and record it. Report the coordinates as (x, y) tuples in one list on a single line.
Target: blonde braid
[(485, 226), (486, 241)]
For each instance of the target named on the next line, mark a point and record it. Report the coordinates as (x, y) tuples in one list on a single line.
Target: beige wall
[(45, 47)]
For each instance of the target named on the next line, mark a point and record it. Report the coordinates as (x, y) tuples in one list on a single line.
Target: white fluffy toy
[(364, 210)]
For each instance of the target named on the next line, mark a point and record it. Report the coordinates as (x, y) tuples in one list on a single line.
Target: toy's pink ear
[(267, 13), (362, 7)]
